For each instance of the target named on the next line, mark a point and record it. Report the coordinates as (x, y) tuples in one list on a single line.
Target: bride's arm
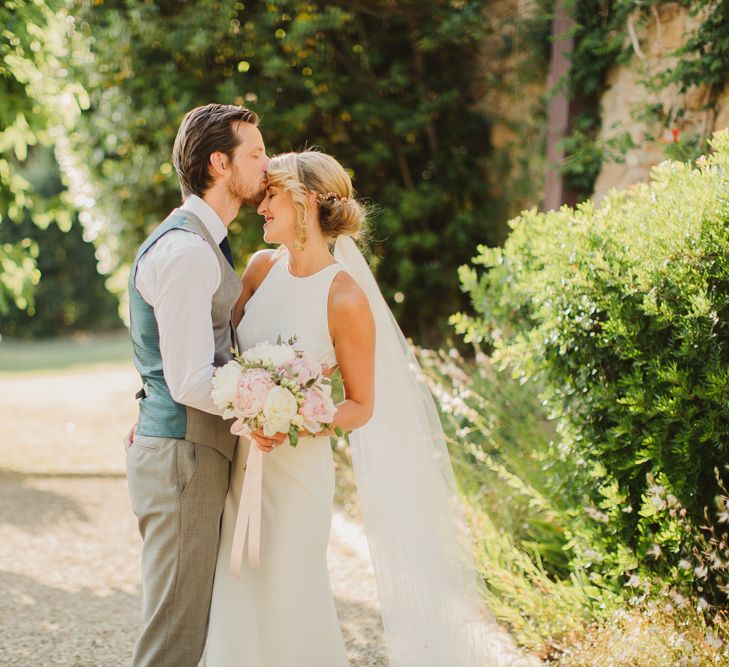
[(352, 327), (257, 269)]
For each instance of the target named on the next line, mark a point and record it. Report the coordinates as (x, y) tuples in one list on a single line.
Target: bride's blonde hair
[(340, 213)]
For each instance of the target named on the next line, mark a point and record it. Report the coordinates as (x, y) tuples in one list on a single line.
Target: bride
[(281, 613)]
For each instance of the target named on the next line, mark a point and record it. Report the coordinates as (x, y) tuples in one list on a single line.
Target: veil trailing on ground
[(416, 530)]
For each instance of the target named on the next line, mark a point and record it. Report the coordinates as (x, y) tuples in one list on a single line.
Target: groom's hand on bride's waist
[(129, 439)]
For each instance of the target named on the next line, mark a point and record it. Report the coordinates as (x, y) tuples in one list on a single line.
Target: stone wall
[(511, 93), (625, 96)]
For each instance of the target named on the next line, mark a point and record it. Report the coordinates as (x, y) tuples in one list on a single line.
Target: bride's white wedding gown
[(281, 613)]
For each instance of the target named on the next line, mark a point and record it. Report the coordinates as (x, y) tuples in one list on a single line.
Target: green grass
[(113, 349)]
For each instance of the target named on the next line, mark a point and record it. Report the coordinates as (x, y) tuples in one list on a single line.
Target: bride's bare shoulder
[(351, 324), (257, 269), (347, 299)]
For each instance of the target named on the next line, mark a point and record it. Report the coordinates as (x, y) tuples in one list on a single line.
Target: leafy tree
[(384, 86), (33, 103), (71, 295)]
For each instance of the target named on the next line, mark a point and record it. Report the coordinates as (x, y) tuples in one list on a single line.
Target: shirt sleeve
[(178, 279)]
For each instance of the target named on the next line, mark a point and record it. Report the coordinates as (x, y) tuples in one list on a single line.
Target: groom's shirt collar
[(207, 215)]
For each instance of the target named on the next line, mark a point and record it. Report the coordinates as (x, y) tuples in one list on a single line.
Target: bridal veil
[(416, 529)]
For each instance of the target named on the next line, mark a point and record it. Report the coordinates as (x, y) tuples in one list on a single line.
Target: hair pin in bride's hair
[(328, 197)]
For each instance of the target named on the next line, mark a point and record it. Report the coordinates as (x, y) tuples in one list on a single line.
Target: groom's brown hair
[(206, 130)]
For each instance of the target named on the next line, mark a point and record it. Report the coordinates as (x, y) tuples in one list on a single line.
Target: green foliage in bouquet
[(621, 311)]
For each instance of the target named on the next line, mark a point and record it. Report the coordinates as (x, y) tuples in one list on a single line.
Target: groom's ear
[(219, 163)]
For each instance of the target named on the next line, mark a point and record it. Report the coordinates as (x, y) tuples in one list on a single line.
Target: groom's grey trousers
[(178, 490)]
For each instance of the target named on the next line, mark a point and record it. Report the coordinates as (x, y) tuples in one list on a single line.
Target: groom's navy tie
[(227, 252)]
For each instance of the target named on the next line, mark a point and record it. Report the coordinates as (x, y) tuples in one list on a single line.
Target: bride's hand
[(268, 444)]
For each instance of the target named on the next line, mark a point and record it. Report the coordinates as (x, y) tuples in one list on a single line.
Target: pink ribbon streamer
[(248, 521)]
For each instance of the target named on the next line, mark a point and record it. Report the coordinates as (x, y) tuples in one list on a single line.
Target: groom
[(182, 290)]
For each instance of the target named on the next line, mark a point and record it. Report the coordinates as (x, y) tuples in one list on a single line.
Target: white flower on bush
[(279, 409), (225, 386), (270, 355)]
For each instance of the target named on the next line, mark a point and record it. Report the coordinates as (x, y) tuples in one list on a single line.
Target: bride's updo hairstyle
[(340, 213)]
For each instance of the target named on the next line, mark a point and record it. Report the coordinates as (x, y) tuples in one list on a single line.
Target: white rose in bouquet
[(270, 355), (279, 408), (225, 386)]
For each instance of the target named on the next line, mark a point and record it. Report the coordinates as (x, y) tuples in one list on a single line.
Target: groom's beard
[(243, 194)]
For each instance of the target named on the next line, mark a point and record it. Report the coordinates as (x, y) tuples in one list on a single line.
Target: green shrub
[(510, 475), (621, 312)]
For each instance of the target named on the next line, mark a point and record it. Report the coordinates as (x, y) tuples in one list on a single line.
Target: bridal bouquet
[(276, 388)]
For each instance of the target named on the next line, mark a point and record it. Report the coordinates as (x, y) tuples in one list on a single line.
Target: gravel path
[(69, 546), (69, 575)]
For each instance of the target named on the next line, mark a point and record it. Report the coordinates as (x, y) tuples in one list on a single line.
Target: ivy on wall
[(606, 34), (704, 57)]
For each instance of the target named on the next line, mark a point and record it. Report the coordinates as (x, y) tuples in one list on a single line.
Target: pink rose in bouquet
[(317, 408), (276, 388), (304, 368), (253, 387)]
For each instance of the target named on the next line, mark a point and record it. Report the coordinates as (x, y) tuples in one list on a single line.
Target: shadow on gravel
[(44, 625), (24, 505)]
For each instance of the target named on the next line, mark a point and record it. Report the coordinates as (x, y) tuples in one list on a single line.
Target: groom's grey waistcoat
[(159, 414)]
